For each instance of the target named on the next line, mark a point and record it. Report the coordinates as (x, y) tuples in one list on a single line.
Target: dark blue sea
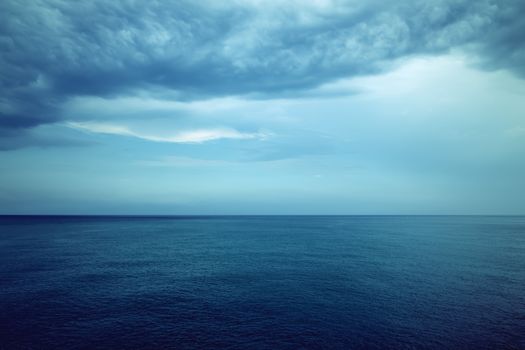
[(262, 282)]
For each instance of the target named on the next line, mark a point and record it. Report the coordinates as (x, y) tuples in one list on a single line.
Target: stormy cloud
[(53, 51)]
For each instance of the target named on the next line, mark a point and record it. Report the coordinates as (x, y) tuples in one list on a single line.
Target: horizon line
[(236, 215)]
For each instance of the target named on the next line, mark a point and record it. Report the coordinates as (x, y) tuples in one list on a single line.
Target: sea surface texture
[(262, 282)]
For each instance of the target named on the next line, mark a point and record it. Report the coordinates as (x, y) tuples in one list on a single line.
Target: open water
[(262, 282)]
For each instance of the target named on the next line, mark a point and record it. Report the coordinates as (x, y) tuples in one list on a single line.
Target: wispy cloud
[(186, 162), (186, 136)]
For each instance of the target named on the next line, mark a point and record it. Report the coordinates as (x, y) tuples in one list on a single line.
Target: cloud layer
[(53, 51)]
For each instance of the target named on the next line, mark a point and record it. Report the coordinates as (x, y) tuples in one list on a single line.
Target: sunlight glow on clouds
[(188, 136)]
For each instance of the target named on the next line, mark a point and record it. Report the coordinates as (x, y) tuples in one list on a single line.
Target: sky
[(262, 107)]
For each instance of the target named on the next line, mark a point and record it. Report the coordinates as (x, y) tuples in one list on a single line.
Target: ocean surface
[(262, 282)]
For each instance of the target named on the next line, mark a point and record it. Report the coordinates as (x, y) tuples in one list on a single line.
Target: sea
[(262, 282)]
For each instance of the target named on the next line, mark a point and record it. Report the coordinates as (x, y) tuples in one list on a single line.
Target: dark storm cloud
[(54, 50), (503, 44)]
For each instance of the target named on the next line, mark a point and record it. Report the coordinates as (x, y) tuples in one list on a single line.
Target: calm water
[(262, 282)]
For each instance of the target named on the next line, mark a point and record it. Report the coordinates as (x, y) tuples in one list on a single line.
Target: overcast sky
[(262, 107)]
